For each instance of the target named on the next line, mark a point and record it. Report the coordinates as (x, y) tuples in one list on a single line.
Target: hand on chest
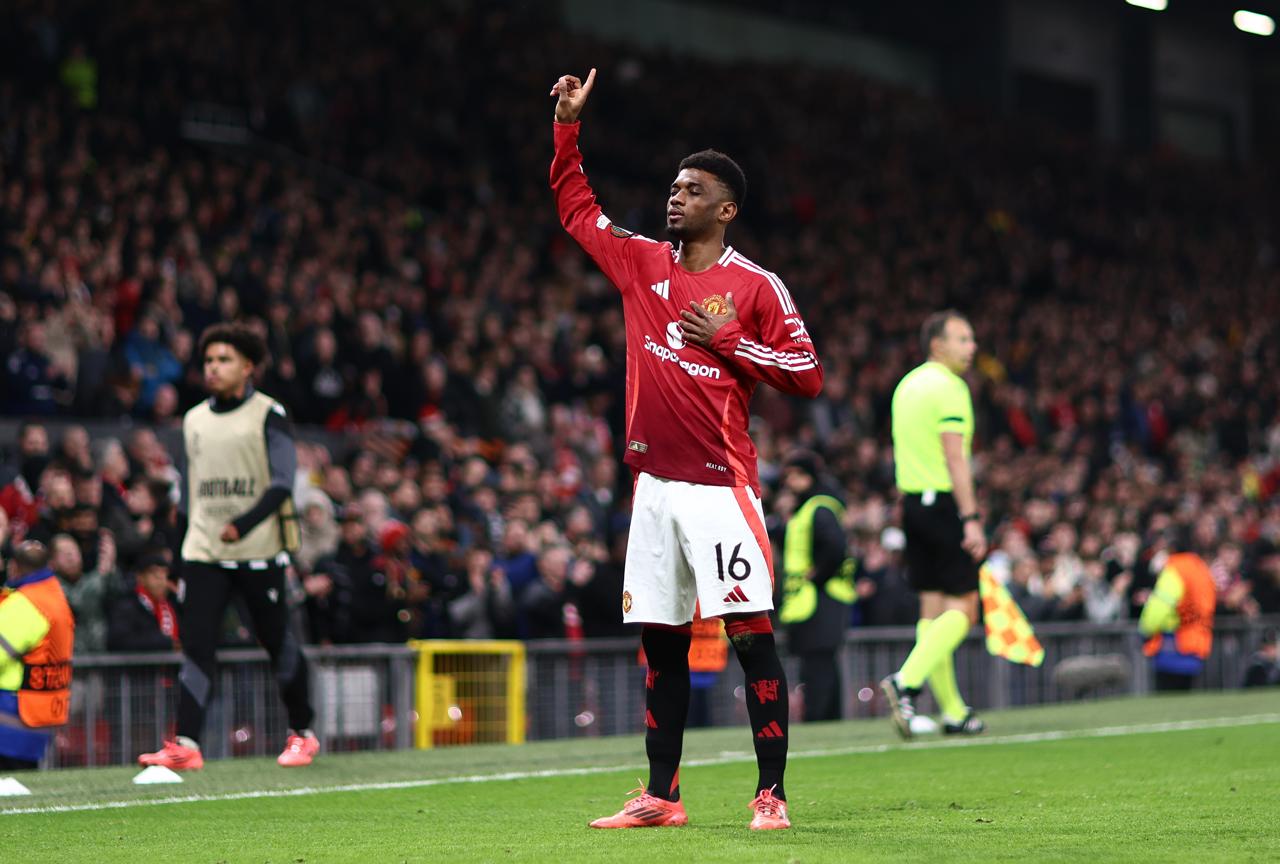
[(664, 293)]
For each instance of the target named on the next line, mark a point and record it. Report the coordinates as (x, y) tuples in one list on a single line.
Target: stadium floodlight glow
[(1254, 22), (1153, 5)]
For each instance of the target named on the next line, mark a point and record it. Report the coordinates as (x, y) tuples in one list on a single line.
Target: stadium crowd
[(466, 361)]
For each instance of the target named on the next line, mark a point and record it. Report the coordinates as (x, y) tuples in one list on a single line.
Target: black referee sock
[(767, 705), (666, 702)]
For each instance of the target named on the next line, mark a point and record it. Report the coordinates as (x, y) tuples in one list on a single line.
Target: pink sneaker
[(175, 757), (645, 811), (770, 812), (300, 750)]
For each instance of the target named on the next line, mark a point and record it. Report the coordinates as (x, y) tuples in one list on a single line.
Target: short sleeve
[(955, 410)]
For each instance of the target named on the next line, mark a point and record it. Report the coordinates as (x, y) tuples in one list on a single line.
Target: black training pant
[(820, 676), (208, 590)]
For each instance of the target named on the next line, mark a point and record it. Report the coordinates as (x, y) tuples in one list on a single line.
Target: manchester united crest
[(766, 689), (716, 305), (626, 601)]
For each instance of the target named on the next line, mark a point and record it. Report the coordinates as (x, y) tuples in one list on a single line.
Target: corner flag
[(1008, 633)]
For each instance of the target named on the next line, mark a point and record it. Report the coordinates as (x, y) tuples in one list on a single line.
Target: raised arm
[(608, 245), (571, 95)]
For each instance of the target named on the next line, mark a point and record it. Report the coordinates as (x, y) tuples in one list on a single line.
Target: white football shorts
[(695, 544)]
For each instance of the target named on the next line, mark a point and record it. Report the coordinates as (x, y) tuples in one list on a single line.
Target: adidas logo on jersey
[(737, 595), (662, 289)]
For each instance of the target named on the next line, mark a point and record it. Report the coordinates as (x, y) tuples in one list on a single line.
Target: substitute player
[(704, 326), (240, 460), (932, 435)]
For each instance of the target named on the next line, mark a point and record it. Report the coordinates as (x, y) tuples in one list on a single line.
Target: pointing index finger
[(591, 82)]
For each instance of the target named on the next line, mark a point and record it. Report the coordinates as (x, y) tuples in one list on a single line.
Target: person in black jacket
[(146, 619), (817, 585), (361, 608), (1264, 664)]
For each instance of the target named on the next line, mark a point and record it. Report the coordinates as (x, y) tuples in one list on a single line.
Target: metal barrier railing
[(581, 689), (125, 704), (371, 697)]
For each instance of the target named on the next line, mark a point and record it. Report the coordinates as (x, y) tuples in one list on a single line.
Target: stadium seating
[(379, 208)]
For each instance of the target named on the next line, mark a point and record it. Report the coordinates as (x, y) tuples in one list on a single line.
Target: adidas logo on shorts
[(737, 595)]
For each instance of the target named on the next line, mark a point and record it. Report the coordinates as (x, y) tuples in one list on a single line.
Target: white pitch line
[(1026, 738)]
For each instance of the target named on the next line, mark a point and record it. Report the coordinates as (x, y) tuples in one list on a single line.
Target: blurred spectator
[(89, 594), (79, 73), (320, 531), (74, 453), (1264, 664), (22, 478), (146, 619), (151, 362), (486, 609), (363, 610), (427, 548), (517, 561), (885, 598), (56, 501), (320, 381), (36, 384), (135, 525), (1105, 601), (1026, 589), (543, 601), (599, 597), (408, 590)]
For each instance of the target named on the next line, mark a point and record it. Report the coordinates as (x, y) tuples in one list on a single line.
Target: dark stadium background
[(1093, 183)]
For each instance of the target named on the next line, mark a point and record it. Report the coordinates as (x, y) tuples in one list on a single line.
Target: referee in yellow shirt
[(932, 435)]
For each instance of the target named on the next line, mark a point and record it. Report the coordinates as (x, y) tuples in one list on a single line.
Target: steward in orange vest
[(37, 631), (1179, 619)]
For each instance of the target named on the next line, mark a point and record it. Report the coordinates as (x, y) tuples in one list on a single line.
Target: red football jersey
[(687, 405)]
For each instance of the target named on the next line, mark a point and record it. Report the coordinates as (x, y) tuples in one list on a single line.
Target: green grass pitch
[(1193, 778)]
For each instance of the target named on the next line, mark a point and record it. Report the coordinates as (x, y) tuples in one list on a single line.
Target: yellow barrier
[(469, 692)]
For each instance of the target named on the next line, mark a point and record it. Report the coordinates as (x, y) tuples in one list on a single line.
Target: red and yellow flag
[(1009, 635)]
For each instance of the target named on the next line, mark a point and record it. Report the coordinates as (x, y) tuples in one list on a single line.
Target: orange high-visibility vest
[(1194, 635), (708, 649), (45, 694)]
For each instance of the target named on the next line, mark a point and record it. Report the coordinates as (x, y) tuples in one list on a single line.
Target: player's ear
[(728, 211)]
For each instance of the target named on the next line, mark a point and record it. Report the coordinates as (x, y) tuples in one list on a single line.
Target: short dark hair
[(724, 169), (934, 325), (30, 556), (246, 341), (153, 556), (804, 460)]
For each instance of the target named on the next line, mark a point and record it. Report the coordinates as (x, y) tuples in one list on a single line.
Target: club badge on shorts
[(626, 601)]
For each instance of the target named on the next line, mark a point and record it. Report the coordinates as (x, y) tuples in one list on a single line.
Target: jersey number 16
[(739, 568)]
